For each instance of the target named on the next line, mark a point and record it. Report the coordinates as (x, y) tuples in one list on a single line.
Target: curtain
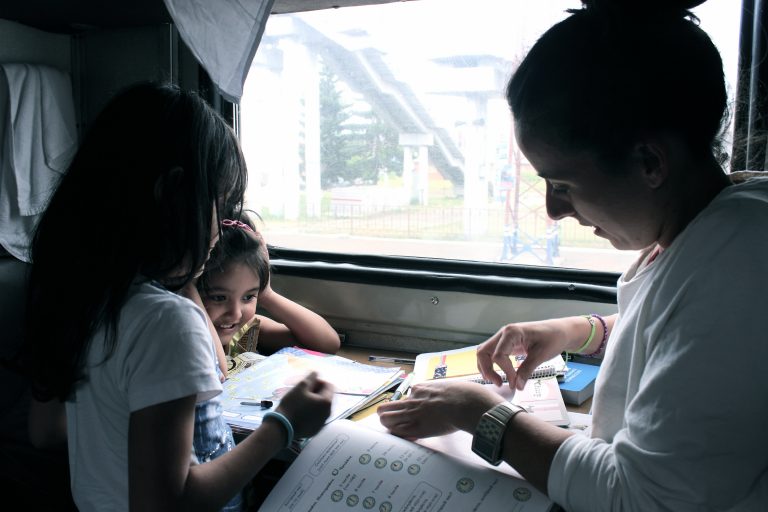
[(223, 35), (750, 142)]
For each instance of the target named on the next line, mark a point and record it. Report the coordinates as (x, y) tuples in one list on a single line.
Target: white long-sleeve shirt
[(681, 402)]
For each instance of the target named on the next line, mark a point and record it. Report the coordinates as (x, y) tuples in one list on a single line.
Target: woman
[(619, 108)]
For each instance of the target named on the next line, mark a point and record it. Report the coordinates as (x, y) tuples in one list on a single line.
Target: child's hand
[(307, 405)]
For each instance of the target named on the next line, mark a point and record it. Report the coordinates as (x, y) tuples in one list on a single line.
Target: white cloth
[(38, 137), (162, 354), (681, 401), (223, 35)]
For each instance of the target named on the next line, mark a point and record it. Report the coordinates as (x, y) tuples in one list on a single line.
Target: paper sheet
[(350, 467)]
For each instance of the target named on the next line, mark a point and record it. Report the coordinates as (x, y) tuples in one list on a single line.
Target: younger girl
[(132, 221), (236, 280)]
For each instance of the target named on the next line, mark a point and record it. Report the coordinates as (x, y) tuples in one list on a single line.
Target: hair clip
[(228, 223)]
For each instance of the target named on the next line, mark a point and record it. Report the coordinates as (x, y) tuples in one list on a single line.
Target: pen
[(396, 360), (264, 404), (402, 388)]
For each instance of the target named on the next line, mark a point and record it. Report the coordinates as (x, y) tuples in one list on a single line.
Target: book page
[(350, 467)]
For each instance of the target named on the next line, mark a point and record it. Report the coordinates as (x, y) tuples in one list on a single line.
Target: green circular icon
[(337, 495), (364, 458), (385, 507), (380, 462), (369, 502), (353, 499), (465, 485), (396, 465), (414, 469)]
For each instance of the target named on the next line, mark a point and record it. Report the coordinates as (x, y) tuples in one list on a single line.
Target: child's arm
[(291, 324), (190, 292)]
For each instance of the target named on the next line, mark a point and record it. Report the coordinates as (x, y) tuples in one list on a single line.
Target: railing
[(533, 228)]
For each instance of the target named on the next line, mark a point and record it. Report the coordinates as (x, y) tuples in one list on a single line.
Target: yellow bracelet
[(591, 334)]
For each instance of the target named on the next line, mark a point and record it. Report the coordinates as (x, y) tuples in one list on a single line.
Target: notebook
[(541, 395), (462, 363)]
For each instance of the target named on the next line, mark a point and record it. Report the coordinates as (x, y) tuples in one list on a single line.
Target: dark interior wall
[(108, 60)]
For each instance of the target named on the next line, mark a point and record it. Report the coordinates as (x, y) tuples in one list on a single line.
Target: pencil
[(395, 360), (402, 388)]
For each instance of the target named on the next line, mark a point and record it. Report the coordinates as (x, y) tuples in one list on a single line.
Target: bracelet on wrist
[(285, 422), (604, 339), (591, 334)]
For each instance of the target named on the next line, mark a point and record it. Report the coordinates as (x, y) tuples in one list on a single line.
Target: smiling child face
[(231, 298)]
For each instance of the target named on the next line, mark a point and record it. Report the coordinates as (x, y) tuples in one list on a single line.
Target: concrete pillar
[(423, 182), (312, 137)]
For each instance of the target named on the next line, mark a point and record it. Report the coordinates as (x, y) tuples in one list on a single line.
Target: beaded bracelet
[(591, 334), (286, 424), (600, 349)]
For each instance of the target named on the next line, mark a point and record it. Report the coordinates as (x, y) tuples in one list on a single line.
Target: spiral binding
[(541, 372)]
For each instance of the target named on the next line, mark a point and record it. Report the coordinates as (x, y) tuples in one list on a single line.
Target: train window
[(383, 129)]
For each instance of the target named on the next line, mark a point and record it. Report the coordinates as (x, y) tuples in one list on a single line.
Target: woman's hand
[(538, 341), (307, 405), (438, 407)]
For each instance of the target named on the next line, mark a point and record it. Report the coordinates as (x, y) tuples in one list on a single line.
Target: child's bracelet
[(591, 334), (286, 424), (605, 337)]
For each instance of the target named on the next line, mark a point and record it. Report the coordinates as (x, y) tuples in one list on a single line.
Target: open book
[(269, 379), (347, 466), (541, 395)]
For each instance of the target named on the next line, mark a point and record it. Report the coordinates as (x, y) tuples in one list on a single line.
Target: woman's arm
[(292, 323), (539, 341), (437, 408)]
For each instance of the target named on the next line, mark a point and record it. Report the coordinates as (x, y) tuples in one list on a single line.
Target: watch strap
[(489, 434)]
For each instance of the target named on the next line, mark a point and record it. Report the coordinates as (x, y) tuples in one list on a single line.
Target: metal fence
[(533, 228)]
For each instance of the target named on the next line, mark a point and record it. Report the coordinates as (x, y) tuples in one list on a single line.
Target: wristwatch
[(490, 431)]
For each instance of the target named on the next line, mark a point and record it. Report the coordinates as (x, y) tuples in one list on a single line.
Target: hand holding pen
[(402, 388)]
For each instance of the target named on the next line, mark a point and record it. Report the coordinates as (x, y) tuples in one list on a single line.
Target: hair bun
[(642, 8)]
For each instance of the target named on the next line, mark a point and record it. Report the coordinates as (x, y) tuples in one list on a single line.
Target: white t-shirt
[(162, 354), (681, 402)]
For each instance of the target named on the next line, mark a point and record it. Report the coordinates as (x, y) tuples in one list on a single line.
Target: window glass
[(383, 130)]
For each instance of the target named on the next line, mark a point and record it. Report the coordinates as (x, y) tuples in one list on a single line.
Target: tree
[(373, 146), (332, 116), (356, 144)]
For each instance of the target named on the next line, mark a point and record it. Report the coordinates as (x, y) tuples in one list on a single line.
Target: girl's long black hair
[(137, 201)]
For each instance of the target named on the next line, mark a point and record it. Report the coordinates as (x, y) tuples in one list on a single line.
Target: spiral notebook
[(541, 395), (462, 364)]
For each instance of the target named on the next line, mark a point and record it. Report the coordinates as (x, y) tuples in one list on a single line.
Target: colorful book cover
[(578, 383), (462, 363), (272, 377)]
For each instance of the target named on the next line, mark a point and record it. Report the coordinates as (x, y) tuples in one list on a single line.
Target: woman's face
[(616, 202), (231, 299)]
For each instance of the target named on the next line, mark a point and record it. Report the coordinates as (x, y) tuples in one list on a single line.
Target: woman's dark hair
[(136, 201), (616, 71), (237, 245)]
